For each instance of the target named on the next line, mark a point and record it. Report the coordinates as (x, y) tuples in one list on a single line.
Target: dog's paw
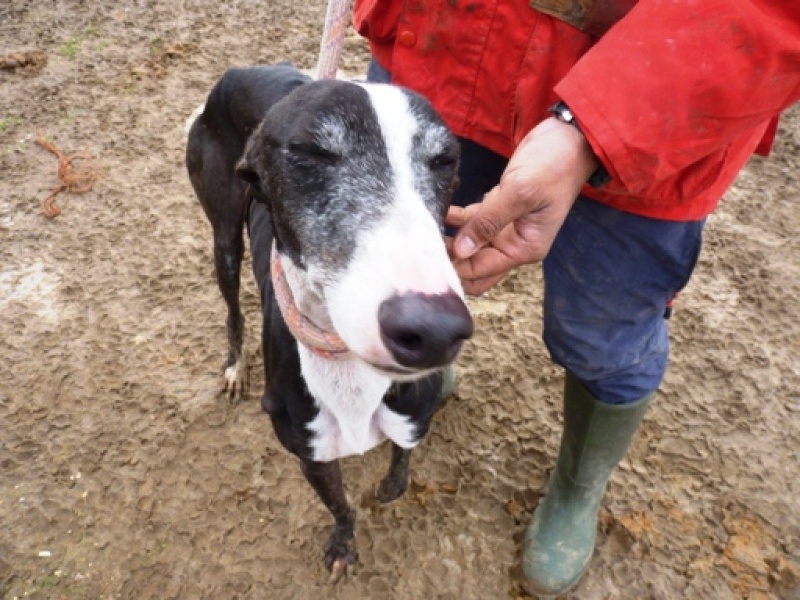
[(234, 380), (340, 556), (390, 488)]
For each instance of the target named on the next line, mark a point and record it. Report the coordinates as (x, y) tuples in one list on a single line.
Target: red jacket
[(673, 99)]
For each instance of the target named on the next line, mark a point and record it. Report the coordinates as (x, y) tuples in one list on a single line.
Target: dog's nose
[(424, 331)]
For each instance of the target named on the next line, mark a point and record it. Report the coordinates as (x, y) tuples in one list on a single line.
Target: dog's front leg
[(340, 550), (395, 483)]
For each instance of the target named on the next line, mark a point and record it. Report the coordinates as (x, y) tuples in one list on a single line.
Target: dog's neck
[(304, 312), (348, 392)]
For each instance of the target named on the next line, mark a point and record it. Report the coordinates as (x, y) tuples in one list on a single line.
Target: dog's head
[(358, 178)]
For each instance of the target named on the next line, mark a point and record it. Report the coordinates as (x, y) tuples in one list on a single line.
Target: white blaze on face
[(403, 252)]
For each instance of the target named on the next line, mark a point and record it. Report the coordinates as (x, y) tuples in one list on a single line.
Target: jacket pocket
[(594, 17)]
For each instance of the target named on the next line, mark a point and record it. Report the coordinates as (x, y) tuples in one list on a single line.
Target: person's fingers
[(484, 222), (485, 263), (458, 215), (480, 286)]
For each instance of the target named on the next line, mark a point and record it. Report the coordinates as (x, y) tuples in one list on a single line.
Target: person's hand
[(518, 220)]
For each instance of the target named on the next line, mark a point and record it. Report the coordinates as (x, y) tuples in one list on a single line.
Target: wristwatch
[(562, 112)]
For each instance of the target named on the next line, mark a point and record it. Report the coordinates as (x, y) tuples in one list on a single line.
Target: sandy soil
[(124, 475)]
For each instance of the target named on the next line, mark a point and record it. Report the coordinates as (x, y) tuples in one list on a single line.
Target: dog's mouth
[(398, 373), (393, 369)]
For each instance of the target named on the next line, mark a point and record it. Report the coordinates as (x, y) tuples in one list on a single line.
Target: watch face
[(562, 112)]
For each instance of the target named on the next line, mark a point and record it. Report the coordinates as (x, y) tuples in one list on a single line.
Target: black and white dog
[(344, 188)]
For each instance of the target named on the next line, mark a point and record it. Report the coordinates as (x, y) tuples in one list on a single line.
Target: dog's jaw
[(312, 307), (306, 296), (383, 266), (348, 392)]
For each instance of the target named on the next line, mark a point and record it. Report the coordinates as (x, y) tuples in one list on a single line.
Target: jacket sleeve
[(676, 81)]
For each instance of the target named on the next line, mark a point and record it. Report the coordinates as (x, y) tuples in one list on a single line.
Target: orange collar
[(326, 344)]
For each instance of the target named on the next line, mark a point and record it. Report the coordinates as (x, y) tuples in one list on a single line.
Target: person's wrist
[(599, 175), (581, 161)]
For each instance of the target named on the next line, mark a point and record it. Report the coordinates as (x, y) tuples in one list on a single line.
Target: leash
[(326, 344), (330, 48)]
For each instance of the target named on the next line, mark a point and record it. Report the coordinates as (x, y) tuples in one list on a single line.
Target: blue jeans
[(608, 279)]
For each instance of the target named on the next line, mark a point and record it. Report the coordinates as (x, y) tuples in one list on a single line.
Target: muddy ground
[(123, 474)]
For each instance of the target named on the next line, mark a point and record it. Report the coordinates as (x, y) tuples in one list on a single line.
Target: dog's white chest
[(352, 417)]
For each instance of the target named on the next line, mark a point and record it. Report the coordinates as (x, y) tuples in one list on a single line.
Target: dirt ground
[(123, 474)]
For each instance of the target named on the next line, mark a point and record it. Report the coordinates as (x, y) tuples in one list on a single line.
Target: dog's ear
[(250, 167)]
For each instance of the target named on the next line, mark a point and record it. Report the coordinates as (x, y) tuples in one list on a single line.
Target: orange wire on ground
[(71, 181)]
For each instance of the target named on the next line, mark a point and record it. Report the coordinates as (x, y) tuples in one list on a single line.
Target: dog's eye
[(441, 161), (315, 152)]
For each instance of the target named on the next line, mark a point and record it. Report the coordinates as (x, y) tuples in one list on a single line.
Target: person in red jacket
[(596, 137)]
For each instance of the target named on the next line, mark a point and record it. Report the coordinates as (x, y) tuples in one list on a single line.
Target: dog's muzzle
[(424, 331)]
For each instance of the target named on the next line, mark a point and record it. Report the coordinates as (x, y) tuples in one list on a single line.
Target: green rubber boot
[(560, 538)]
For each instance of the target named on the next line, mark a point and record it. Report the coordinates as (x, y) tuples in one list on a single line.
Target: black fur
[(313, 132)]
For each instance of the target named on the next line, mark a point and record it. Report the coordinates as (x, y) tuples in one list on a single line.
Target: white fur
[(349, 393), (193, 117), (235, 376), (352, 418), (403, 253)]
